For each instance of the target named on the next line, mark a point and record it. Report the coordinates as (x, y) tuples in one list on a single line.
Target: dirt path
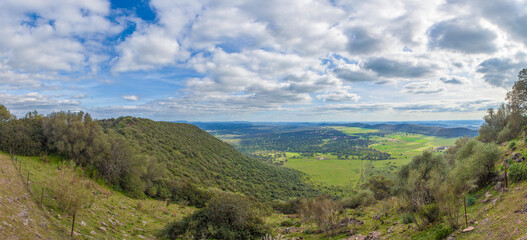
[(20, 216)]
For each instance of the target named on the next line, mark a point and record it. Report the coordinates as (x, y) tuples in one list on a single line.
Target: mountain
[(193, 155)]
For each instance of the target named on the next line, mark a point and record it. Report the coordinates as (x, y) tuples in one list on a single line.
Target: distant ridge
[(418, 129)]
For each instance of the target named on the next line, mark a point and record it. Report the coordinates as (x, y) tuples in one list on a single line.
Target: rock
[(26, 222), (375, 235), (102, 229), (352, 232), (140, 236), (104, 224), (495, 200), (291, 230), (522, 210), (92, 232), (468, 229), (499, 186), (144, 223), (518, 157)]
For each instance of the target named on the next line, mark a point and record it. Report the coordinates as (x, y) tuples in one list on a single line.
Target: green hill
[(192, 155)]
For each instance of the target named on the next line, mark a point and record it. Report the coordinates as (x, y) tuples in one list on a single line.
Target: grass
[(328, 169), (111, 214)]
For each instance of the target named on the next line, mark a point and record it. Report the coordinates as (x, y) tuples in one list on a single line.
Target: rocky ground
[(20, 216)]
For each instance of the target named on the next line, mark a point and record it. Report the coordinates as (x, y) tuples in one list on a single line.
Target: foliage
[(323, 211), (407, 218), (291, 206), (319, 140), (471, 200), (186, 154), (476, 161), (71, 191), (517, 172), (380, 186), (226, 216), (442, 232), (507, 122), (361, 198), (430, 212)]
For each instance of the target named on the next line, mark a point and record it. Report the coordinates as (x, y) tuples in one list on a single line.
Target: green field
[(327, 169)]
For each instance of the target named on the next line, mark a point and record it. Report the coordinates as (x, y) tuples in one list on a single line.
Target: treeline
[(313, 141), (418, 129), (146, 158)]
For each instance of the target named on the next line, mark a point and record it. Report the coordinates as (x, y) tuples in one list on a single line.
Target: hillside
[(192, 155)]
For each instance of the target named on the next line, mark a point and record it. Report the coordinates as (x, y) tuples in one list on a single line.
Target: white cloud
[(130, 97)]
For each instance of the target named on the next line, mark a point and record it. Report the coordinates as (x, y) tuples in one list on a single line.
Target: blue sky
[(298, 60)]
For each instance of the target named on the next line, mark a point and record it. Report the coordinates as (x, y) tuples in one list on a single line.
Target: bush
[(71, 191), (323, 211), (443, 232), (407, 218), (512, 144), (471, 200), (362, 198), (189, 193), (518, 172), (430, 212), (225, 216), (380, 186), (292, 206)]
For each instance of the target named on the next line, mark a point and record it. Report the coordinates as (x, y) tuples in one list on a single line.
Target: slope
[(192, 155), (20, 218)]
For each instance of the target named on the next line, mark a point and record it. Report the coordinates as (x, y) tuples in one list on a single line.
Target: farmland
[(340, 156)]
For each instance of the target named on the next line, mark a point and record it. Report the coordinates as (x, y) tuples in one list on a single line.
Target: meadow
[(349, 173)]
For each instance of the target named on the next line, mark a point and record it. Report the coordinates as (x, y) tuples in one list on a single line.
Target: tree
[(5, 115), (517, 97)]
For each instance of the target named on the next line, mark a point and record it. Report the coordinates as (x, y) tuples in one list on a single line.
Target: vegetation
[(226, 216)]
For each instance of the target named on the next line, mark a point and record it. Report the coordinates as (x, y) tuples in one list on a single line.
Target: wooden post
[(27, 179), (73, 224), (465, 205)]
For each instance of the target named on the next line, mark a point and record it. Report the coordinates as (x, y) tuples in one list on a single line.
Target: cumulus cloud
[(268, 56), (339, 95), (499, 72), (464, 35), (455, 80), (393, 68), (130, 98), (422, 87)]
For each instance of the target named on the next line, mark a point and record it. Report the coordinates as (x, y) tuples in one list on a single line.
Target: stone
[(499, 186), (469, 229), (92, 232), (102, 229), (518, 157), (375, 235), (140, 236), (144, 223)]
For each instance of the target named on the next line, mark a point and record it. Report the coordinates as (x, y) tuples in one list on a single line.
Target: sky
[(253, 60)]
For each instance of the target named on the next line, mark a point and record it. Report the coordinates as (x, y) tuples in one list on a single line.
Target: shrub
[(189, 193), (518, 172), (323, 211), (71, 190), (380, 186), (225, 216), (430, 212), (292, 206), (512, 144), (407, 218), (442, 232), (471, 200), (362, 198)]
